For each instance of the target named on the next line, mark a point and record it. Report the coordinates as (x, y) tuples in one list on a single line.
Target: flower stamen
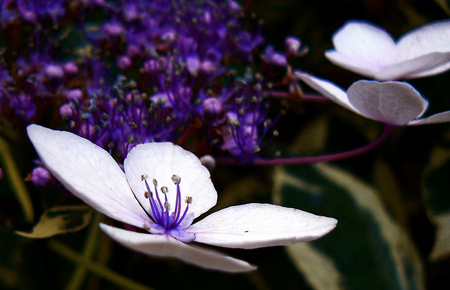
[(155, 214), (160, 211), (188, 201), (176, 179)]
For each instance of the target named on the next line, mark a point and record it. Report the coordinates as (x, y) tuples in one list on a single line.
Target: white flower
[(369, 50), (163, 189), (395, 103)]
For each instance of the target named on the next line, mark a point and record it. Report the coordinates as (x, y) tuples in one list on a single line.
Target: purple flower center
[(163, 220)]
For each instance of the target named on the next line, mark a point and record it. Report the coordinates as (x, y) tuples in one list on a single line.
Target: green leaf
[(367, 250), (312, 138), (445, 4), (24, 264), (319, 269), (16, 180), (390, 190), (60, 220), (436, 193)]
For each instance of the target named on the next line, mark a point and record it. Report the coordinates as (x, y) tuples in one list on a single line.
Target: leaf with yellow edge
[(60, 220), (445, 4), (368, 249), (437, 197)]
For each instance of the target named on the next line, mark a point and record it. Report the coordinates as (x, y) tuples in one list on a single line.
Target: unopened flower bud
[(74, 94), (292, 46), (124, 62), (54, 72), (208, 161), (133, 51), (30, 17), (70, 69), (212, 107), (41, 176), (65, 110)]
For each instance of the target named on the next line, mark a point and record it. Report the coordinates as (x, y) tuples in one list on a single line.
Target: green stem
[(257, 280), (17, 182), (94, 267), (79, 275)]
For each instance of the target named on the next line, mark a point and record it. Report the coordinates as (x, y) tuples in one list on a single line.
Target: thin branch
[(318, 158), (305, 96), (79, 275), (16, 180), (96, 268)]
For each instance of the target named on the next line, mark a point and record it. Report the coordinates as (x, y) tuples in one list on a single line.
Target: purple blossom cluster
[(32, 75), (122, 73), (121, 116), (140, 71), (31, 11)]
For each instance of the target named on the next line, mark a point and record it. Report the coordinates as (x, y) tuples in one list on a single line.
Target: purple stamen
[(156, 213), (166, 220), (160, 217), (176, 179), (188, 201), (161, 211)]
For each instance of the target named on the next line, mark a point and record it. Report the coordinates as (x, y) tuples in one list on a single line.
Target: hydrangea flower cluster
[(123, 116), (144, 74), (32, 76), (32, 12)]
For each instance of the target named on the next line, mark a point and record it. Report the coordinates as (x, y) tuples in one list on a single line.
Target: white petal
[(428, 47), (389, 102), (430, 72), (426, 39), (419, 66), (362, 47), (161, 161), (260, 225), (89, 172), (436, 118), (350, 64), (328, 89), (368, 50), (166, 246)]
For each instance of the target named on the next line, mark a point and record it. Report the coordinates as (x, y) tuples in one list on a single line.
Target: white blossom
[(163, 189), (369, 50), (392, 102)]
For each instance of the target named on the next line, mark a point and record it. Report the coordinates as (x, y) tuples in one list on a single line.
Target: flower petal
[(362, 47), (260, 225), (328, 89), (436, 118), (166, 246), (419, 66), (394, 103), (426, 39), (89, 172), (430, 72), (161, 161), (429, 39), (368, 50), (348, 63), (389, 102)]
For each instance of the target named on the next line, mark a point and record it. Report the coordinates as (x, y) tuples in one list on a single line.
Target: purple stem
[(388, 128), (305, 96)]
